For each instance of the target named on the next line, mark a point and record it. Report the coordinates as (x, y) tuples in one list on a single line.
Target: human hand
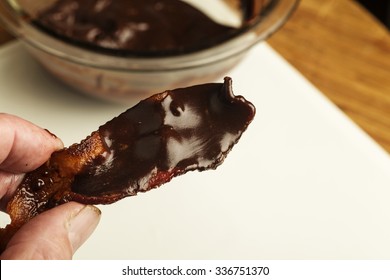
[(58, 232)]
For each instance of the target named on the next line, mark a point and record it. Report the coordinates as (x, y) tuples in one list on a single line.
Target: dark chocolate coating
[(181, 130), (163, 136), (137, 26)]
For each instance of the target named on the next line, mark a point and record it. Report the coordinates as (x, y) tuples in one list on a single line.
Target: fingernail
[(58, 142), (82, 224)]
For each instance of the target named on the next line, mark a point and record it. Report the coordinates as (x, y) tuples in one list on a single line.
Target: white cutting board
[(304, 182)]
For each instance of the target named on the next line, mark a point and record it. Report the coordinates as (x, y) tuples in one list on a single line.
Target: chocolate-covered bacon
[(163, 136)]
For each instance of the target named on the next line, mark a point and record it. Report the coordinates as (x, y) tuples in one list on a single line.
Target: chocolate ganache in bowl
[(125, 50)]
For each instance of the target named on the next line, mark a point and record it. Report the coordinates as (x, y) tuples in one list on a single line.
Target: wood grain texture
[(345, 52)]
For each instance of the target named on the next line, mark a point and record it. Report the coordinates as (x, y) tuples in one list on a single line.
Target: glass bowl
[(122, 76)]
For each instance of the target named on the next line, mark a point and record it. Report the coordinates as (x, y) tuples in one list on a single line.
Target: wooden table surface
[(345, 52)]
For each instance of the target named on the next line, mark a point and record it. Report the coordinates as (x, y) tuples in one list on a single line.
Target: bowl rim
[(272, 19)]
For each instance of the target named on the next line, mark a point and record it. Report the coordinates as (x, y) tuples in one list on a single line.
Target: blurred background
[(342, 47), (380, 8)]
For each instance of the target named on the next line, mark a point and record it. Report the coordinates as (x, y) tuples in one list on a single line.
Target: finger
[(54, 234), (8, 184), (24, 146)]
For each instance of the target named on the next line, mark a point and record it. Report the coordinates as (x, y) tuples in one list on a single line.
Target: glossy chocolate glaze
[(144, 27), (163, 136)]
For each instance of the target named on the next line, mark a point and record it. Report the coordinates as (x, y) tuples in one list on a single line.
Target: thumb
[(54, 234)]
